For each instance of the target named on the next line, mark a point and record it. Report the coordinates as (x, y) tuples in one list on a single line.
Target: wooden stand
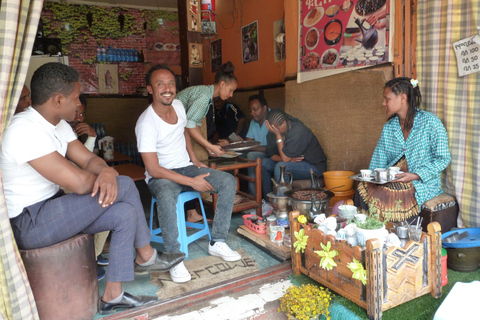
[(263, 240), (395, 276)]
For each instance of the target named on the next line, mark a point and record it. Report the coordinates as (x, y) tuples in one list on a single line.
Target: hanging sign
[(467, 52)]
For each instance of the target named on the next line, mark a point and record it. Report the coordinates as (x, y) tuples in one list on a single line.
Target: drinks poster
[(341, 35)]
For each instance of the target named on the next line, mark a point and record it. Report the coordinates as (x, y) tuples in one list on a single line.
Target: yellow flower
[(327, 261), (305, 302), (358, 271), (302, 219), (301, 242)]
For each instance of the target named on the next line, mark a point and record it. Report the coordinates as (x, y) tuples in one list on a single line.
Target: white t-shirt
[(167, 140), (30, 137)]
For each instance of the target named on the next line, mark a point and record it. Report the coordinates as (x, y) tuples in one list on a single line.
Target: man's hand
[(84, 128), (197, 163), (106, 183), (273, 129), (297, 159), (223, 142), (200, 184)]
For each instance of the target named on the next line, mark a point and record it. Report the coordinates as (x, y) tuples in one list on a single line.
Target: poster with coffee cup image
[(250, 42), (343, 35)]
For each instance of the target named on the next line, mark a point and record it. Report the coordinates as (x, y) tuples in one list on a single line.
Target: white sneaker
[(222, 250), (266, 208), (180, 274)]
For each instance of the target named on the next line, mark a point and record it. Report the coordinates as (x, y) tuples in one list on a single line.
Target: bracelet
[(279, 140)]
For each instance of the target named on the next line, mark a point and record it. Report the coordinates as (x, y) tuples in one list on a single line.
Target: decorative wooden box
[(395, 275)]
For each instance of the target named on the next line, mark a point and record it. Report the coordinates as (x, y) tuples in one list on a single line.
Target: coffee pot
[(369, 36), (313, 212), (281, 186)]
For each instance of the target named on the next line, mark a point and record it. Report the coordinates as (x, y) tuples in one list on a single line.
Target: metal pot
[(279, 203), (304, 206)]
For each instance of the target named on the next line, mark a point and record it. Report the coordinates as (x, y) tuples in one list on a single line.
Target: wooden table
[(263, 240), (131, 170), (248, 201), (118, 157)]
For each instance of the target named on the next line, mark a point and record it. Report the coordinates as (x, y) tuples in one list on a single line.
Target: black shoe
[(101, 272), (164, 262), (128, 301), (101, 260)]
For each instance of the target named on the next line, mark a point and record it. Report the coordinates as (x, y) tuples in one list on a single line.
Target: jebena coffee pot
[(369, 36), (282, 186)]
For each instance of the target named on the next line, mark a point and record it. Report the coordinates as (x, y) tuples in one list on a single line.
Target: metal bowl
[(305, 205), (278, 203)]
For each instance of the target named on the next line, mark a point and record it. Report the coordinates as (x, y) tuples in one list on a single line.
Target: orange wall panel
[(231, 17)]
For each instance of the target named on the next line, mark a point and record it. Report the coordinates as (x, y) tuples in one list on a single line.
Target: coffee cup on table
[(366, 173)]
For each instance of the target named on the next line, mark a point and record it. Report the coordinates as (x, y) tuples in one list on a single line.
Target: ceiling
[(170, 5)]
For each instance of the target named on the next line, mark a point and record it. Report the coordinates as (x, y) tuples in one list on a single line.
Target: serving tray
[(358, 177), (241, 146)]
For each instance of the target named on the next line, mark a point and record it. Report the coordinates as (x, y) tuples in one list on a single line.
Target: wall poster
[(216, 50), (194, 23), (279, 40), (195, 52), (108, 78), (250, 42), (342, 35)]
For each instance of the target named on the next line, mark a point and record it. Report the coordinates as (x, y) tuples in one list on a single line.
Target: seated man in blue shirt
[(257, 104)]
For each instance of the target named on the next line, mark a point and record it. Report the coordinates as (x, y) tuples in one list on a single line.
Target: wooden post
[(435, 233), (258, 186), (296, 258), (374, 267)]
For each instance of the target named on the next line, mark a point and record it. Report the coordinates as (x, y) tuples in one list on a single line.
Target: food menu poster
[(343, 34)]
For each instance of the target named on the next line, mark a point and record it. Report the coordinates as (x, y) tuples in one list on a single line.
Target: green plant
[(305, 302), (373, 220)]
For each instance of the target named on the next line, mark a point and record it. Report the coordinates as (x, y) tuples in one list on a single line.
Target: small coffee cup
[(366, 173), (380, 175), (402, 232)]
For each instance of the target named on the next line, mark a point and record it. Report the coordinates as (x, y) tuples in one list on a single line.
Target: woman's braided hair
[(410, 88)]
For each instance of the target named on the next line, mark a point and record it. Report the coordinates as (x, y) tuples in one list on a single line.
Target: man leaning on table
[(172, 168), (39, 153)]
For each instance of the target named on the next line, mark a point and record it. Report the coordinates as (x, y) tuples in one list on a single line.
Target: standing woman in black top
[(290, 143)]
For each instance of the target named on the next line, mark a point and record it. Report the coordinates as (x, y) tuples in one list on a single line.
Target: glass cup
[(414, 234)]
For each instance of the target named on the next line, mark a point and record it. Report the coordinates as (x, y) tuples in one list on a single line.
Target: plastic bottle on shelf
[(104, 53), (135, 55), (99, 54), (141, 57)]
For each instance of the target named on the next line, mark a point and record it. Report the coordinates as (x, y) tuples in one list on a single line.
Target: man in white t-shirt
[(172, 167), (39, 153)]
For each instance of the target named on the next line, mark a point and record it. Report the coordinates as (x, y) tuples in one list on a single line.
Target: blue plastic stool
[(182, 224)]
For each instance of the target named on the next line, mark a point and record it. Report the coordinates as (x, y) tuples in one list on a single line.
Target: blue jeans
[(251, 170), (166, 192), (271, 169)]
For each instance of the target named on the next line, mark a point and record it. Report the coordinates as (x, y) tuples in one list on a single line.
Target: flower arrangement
[(305, 302), (327, 261), (373, 220)]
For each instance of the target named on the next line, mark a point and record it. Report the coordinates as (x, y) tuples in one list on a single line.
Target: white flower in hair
[(414, 82)]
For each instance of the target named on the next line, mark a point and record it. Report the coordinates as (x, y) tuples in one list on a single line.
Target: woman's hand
[(215, 150), (407, 177)]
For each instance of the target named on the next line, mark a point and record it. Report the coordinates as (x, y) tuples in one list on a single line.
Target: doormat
[(205, 271)]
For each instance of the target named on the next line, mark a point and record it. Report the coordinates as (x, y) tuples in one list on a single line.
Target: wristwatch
[(279, 140)]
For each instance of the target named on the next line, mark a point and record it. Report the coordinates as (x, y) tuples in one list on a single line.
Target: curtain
[(455, 100), (18, 27)]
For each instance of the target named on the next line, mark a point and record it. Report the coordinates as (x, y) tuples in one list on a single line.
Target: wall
[(264, 71), (344, 111), (141, 31)]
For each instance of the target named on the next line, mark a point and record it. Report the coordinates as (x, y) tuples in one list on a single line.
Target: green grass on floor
[(421, 308)]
